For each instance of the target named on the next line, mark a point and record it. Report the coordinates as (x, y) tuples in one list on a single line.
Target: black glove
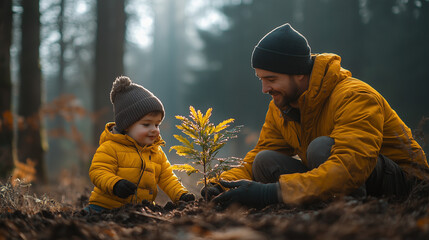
[(248, 193), (213, 190), (124, 188), (187, 197)]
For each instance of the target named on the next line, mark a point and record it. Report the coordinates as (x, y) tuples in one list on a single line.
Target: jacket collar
[(326, 74), (292, 114), (110, 134)]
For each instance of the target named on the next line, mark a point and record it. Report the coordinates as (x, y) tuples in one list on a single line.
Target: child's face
[(146, 130)]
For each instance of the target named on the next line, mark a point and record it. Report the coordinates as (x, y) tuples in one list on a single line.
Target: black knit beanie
[(283, 50), (131, 102)]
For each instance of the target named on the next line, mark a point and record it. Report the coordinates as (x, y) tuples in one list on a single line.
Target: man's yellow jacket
[(121, 157), (351, 112)]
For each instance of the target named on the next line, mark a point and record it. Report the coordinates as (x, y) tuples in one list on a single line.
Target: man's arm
[(358, 125), (270, 138)]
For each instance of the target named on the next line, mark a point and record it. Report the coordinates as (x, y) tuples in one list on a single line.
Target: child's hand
[(124, 188), (187, 197)]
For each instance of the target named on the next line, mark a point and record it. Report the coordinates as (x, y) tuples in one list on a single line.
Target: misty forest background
[(58, 59)]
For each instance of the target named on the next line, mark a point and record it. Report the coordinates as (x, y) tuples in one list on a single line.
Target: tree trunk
[(109, 53), (62, 64), (30, 138), (56, 144), (6, 119)]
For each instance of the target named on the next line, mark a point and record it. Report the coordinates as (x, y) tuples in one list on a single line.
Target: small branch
[(152, 216)]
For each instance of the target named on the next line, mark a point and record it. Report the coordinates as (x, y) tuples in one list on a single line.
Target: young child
[(129, 163)]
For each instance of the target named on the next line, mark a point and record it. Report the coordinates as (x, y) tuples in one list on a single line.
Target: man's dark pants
[(386, 179)]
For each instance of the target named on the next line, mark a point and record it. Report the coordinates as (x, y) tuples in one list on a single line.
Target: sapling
[(205, 141)]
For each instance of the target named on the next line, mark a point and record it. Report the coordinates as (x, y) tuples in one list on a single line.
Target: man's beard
[(286, 100)]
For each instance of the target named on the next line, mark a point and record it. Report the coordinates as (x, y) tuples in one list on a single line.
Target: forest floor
[(55, 212)]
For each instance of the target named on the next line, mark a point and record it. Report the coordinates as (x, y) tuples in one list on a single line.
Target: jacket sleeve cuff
[(279, 192)]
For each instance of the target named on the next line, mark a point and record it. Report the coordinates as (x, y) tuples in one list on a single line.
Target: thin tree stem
[(205, 181)]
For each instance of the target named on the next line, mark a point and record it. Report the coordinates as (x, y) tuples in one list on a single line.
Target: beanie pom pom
[(119, 85)]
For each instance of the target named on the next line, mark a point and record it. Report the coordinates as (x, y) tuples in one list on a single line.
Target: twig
[(152, 216)]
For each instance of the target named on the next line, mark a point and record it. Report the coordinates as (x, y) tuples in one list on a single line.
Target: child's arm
[(103, 169), (168, 181)]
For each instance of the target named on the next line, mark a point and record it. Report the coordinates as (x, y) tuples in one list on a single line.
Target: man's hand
[(248, 193), (213, 190), (187, 197), (124, 188)]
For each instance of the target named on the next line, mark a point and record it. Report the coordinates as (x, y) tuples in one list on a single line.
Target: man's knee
[(319, 150), (262, 160), (268, 165)]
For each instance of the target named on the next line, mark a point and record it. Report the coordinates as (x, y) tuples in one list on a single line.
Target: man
[(326, 134)]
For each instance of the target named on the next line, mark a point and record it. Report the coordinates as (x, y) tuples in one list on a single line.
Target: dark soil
[(347, 218)]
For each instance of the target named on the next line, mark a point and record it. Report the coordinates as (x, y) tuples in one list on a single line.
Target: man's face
[(283, 88)]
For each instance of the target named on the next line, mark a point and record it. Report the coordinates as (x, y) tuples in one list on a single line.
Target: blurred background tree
[(195, 52), (6, 119), (31, 142), (109, 52)]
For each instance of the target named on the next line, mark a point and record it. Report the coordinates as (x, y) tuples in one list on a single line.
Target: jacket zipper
[(287, 119), (299, 140), (141, 175)]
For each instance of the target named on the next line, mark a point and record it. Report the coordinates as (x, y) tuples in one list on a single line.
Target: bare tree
[(6, 119), (30, 138), (61, 80), (109, 53)]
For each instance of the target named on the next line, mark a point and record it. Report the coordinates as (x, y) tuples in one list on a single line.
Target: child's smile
[(146, 130)]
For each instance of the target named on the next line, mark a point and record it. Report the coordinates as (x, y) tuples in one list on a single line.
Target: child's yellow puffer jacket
[(120, 157)]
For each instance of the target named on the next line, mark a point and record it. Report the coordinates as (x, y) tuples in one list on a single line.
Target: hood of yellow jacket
[(109, 134), (326, 74)]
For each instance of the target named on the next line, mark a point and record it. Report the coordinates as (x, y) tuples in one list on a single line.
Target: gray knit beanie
[(131, 102), (283, 50)]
